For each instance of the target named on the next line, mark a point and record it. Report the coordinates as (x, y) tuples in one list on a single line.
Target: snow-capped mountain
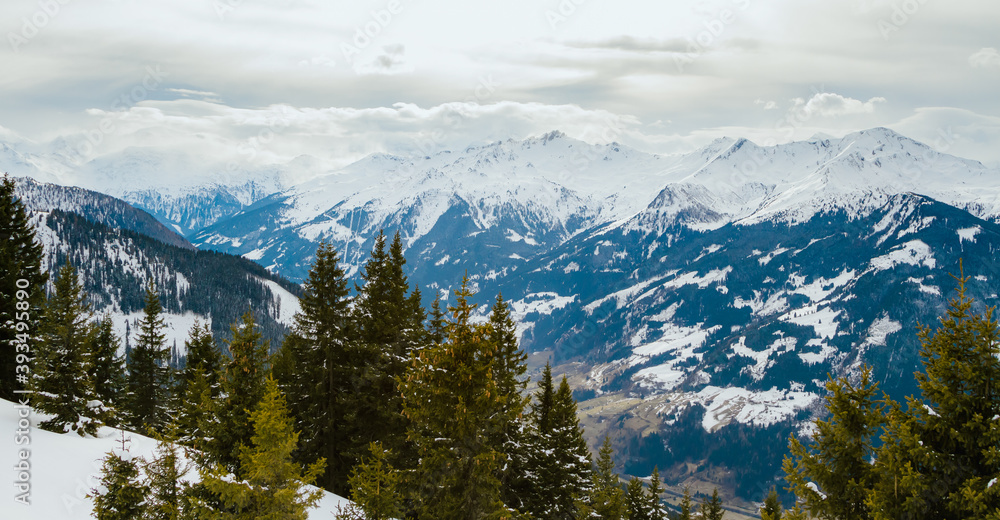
[(697, 301)]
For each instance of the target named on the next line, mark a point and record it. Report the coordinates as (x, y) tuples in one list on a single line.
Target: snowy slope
[(65, 467)]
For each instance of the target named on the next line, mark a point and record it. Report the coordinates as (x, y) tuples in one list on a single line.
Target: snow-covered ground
[(62, 468)]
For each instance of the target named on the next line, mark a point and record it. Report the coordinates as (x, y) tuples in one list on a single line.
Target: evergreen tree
[(452, 403), (607, 498), (685, 506), (375, 486), (107, 368), (508, 371), (637, 505), (832, 475), (272, 485), (389, 327), (120, 494), (319, 367), (940, 458), (771, 510), (197, 384), (61, 379), (243, 386), (148, 377), (711, 508), (20, 302), (168, 494), (656, 509), (437, 326)]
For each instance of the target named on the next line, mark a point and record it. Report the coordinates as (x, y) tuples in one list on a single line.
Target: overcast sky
[(267, 80)]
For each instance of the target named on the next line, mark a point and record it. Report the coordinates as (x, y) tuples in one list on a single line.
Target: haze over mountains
[(698, 301)]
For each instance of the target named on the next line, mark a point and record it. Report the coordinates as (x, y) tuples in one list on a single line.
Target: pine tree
[(771, 510), (243, 386), (148, 378), (197, 387), (389, 327), (832, 475), (375, 486), (508, 371), (168, 495), (452, 403), (22, 288), (437, 329), (685, 506), (940, 458), (272, 485), (637, 505), (107, 368), (607, 498), (656, 509), (120, 494), (711, 508), (318, 369), (61, 379)]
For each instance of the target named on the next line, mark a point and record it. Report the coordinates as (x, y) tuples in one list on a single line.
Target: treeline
[(935, 457)]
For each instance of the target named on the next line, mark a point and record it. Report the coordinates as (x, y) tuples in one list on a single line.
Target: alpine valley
[(698, 302)]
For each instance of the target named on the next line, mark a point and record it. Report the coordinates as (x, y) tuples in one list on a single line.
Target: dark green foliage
[(560, 461), (637, 501), (242, 388), (108, 368), (940, 454), (389, 326), (197, 389), (509, 368), (271, 486), (831, 475), (771, 510), (657, 511), (320, 369), (20, 259), (217, 284), (452, 402), (61, 378), (149, 378), (711, 508), (437, 325), (203, 357), (120, 495), (607, 500), (169, 497)]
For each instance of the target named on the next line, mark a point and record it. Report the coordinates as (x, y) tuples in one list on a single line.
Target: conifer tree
[(437, 325), (168, 494), (771, 510), (940, 457), (389, 327), (452, 403), (272, 485), (22, 288), (243, 386), (317, 368), (107, 368), (120, 494), (656, 509), (375, 486), (607, 498), (686, 512), (61, 379), (637, 505), (197, 386), (831, 476), (711, 508), (508, 371), (148, 377)]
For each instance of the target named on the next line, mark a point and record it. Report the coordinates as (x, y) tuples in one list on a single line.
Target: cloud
[(768, 105), (827, 104), (985, 58)]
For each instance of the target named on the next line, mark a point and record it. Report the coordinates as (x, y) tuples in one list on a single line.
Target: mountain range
[(698, 302)]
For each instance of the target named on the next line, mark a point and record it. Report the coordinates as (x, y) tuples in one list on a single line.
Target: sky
[(257, 82)]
